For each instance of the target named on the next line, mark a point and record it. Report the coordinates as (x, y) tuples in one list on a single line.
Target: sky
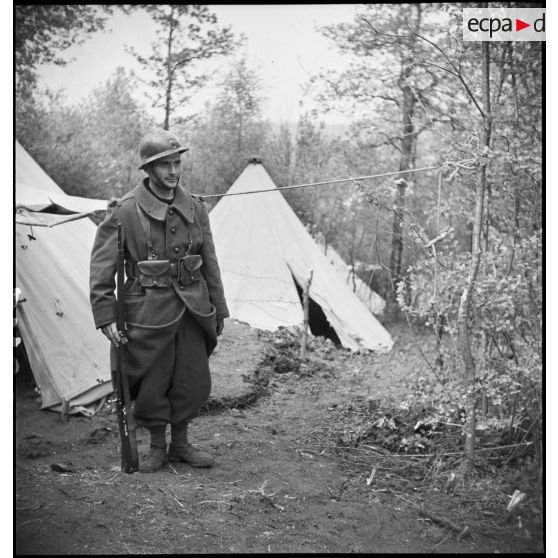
[(281, 41)]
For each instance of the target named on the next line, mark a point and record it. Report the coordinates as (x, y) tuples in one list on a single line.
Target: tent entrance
[(319, 325)]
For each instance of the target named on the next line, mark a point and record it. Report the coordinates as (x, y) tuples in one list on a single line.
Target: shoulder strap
[(146, 226)]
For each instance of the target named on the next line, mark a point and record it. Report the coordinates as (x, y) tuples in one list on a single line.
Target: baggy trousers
[(169, 371)]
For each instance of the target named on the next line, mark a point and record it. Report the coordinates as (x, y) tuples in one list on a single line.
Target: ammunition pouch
[(154, 273), (159, 273), (190, 269)]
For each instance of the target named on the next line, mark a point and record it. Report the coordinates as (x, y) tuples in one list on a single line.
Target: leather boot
[(155, 460), (189, 454)]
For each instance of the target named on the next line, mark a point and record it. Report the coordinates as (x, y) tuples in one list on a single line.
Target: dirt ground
[(274, 487)]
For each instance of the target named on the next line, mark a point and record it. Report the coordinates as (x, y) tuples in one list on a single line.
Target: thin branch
[(386, 98), (443, 68), (422, 352), (393, 36), (457, 72)]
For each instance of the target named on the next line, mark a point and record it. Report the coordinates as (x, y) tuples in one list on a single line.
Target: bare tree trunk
[(516, 190), (465, 303), (306, 308), (170, 74), (397, 235), (405, 163), (439, 331), (408, 141)]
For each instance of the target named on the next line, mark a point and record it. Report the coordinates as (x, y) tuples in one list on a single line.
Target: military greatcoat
[(171, 330)]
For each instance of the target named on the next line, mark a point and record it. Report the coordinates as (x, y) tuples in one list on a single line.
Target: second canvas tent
[(265, 254)]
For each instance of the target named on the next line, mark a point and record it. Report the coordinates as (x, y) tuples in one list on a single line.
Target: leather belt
[(132, 269)]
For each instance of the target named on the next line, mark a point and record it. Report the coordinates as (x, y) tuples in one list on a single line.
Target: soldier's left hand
[(220, 326)]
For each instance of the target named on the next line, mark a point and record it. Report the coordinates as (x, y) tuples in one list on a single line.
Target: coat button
[(173, 230), (171, 211), (176, 249), (181, 287)]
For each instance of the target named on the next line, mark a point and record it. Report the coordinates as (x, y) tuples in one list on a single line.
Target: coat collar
[(183, 202)]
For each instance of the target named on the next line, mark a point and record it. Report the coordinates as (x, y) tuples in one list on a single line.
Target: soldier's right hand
[(111, 333)]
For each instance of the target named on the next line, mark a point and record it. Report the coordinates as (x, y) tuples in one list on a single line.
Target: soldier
[(173, 296)]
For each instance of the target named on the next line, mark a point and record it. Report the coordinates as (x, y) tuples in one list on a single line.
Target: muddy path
[(273, 489)]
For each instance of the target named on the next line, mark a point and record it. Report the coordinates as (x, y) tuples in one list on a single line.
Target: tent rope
[(266, 311), (272, 300), (338, 181), (265, 278)]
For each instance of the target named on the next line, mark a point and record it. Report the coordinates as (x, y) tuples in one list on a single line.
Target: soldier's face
[(165, 172)]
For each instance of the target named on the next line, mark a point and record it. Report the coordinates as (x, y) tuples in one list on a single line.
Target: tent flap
[(39, 219), (40, 205)]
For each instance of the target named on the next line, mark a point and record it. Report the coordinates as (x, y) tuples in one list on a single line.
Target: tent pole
[(305, 305)]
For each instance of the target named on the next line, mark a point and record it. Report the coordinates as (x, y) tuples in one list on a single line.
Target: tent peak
[(255, 160)]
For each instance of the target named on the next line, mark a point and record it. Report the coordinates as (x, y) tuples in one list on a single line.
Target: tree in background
[(388, 86), (79, 146), (229, 132), (489, 301), (42, 32), (114, 126), (279, 153), (89, 149), (318, 157), (239, 104), (460, 238), (52, 134), (187, 34)]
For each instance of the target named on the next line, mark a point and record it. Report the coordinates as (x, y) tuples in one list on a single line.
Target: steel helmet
[(158, 144)]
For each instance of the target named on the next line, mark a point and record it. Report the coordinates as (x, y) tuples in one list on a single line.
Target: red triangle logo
[(519, 25)]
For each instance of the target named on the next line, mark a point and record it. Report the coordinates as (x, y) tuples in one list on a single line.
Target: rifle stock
[(129, 461)]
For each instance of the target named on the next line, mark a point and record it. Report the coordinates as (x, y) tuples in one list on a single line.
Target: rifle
[(129, 461)]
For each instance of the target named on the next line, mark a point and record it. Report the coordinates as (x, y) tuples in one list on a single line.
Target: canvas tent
[(264, 252), (373, 301), (68, 356)]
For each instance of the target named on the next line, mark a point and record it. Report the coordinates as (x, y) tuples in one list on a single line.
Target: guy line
[(352, 179)]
